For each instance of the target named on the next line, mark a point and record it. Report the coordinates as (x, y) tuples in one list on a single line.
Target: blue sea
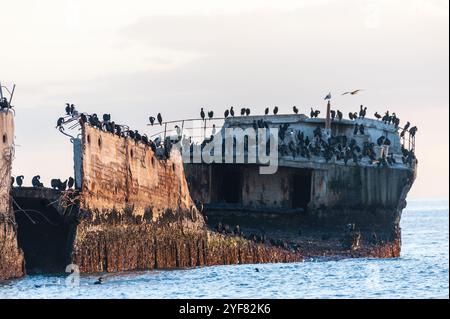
[(420, 272)]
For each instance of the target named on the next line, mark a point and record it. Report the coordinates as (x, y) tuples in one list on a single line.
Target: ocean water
[(421, 272)]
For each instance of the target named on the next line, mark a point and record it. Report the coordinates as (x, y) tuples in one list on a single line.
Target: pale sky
[(137, 58)]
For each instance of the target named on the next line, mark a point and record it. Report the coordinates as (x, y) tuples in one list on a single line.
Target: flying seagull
[(352, 92)]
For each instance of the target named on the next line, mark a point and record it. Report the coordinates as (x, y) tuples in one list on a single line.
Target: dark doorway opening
[(301, 190), (42, 235), (229, 189)]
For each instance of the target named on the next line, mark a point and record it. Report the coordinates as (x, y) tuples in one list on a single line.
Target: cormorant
[(243, 111), (99, 281), (19, 180), (106, 117), (295, 109), (266, 111), (159, 117), (202, 114), (70, 182), (210, 114), (340, 116), (83, 119), (67, 109), (60, 122), (377, 116), (413, 131), (152, 120), (356, 129), (333, 114), (232, 111), (227, 112), (247, 111), (35, 181), (275, 110), (362, 111), (407, 125)]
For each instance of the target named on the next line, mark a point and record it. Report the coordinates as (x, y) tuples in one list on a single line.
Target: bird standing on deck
[(362, 111), (295, 109), (377, 116), (35, 181), (19, 180), (266, 111), (247, 111)]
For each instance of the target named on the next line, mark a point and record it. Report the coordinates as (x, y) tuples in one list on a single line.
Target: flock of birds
[(295, 143), (340, 146), (106, 124), (36, 182), (4, 104)]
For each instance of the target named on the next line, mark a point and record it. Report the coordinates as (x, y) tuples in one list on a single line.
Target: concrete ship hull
[(11, 257), (323, 207)]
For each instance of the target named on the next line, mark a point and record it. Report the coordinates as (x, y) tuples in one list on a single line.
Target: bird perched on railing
[(413, 131), (152, 120), (232, 111), (159, 117), (59, 123), (202, 114), (210, 114), (226, 113)]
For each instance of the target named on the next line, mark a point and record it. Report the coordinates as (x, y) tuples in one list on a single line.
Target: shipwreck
[(139, 203)]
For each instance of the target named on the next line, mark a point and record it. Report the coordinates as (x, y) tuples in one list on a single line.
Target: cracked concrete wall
[(119, 174), (11, 257)]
